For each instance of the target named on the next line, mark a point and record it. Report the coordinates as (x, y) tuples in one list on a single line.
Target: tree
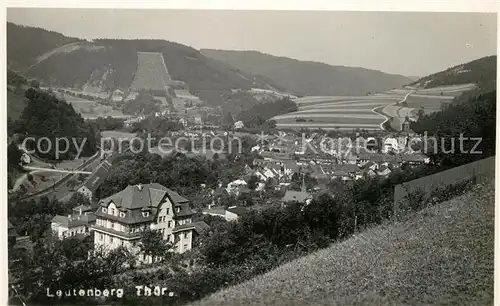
[(152, 244), (35, 84), (253, 182)]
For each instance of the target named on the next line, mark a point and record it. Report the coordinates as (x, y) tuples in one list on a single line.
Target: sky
[(411, 44)]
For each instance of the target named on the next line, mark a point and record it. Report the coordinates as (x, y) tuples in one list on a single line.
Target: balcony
[(120, 234)]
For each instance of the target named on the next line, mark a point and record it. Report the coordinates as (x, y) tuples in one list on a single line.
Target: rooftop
[(296, 196)]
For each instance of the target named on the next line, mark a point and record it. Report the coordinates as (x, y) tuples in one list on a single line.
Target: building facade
[(122, 217)]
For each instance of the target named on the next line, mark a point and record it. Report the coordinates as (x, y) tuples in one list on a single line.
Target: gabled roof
[(200, 227), (74, 221), (133, 199), (84, 208), (98, 176), (215, 211), (296, 196), (238, 210)]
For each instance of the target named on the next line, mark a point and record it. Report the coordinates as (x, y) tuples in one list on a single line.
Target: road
[(382, 112), (37, 169)]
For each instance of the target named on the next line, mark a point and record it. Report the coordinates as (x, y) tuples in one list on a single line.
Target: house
[(383, 171), (233, 187), (367, 172), (415, 159), (239, 125), (122, 218), (276, 156), (296, 196), (233, 213), (259, 162), (90, 186), (80, 222), (290, 168), (117, 95), (344, 171)]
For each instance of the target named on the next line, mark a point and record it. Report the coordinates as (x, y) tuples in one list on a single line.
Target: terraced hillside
[(369, 112), (442, 255), (339, 112)]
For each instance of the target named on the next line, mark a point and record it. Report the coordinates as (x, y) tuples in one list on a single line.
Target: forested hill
[(57, 60), (309, 78), (482, 72), (69, 62), (25, 44)]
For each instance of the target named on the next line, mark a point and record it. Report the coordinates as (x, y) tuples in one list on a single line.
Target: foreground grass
[(442, 255)]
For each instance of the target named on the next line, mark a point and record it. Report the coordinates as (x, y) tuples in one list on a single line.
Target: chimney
[(69, 217), (80, 211), (139, 186)]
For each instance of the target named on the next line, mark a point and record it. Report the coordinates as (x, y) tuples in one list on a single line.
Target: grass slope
[(309, 78), (440, 255)]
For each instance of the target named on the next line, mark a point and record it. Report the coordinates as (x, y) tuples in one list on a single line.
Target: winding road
[(382, 112)]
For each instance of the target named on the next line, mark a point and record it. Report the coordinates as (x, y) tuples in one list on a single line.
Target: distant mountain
[(108, 64), (413, 78), (482, 72), (309, 78)]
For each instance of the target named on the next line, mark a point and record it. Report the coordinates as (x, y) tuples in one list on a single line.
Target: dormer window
[(104, 210), (122, 214), (145, 213), (177, 209)]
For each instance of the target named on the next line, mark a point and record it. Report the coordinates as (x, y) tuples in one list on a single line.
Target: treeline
[(259, 114), (143, 104), (475, 118), (47, 116), (106, 123), (26, 43), (479, 72), (177, 171)]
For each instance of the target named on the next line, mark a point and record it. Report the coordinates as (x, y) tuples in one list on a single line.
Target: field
[(151, 72), (337, 112), (90, 109), (442, 255), (351, 112)]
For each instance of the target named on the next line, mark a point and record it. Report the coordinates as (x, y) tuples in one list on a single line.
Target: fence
[(445, 178)]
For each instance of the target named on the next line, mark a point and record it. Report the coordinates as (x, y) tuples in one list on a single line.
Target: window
[(185, 247), (101, 237), (112, 225), (112, 211), (169, 224), (145, 213), (168, 211), (104, 209), (168, 237), (122, 214), (185, 235), (177, 209), (110, 239)]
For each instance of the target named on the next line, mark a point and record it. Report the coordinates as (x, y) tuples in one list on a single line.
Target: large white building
[(121, 218)]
